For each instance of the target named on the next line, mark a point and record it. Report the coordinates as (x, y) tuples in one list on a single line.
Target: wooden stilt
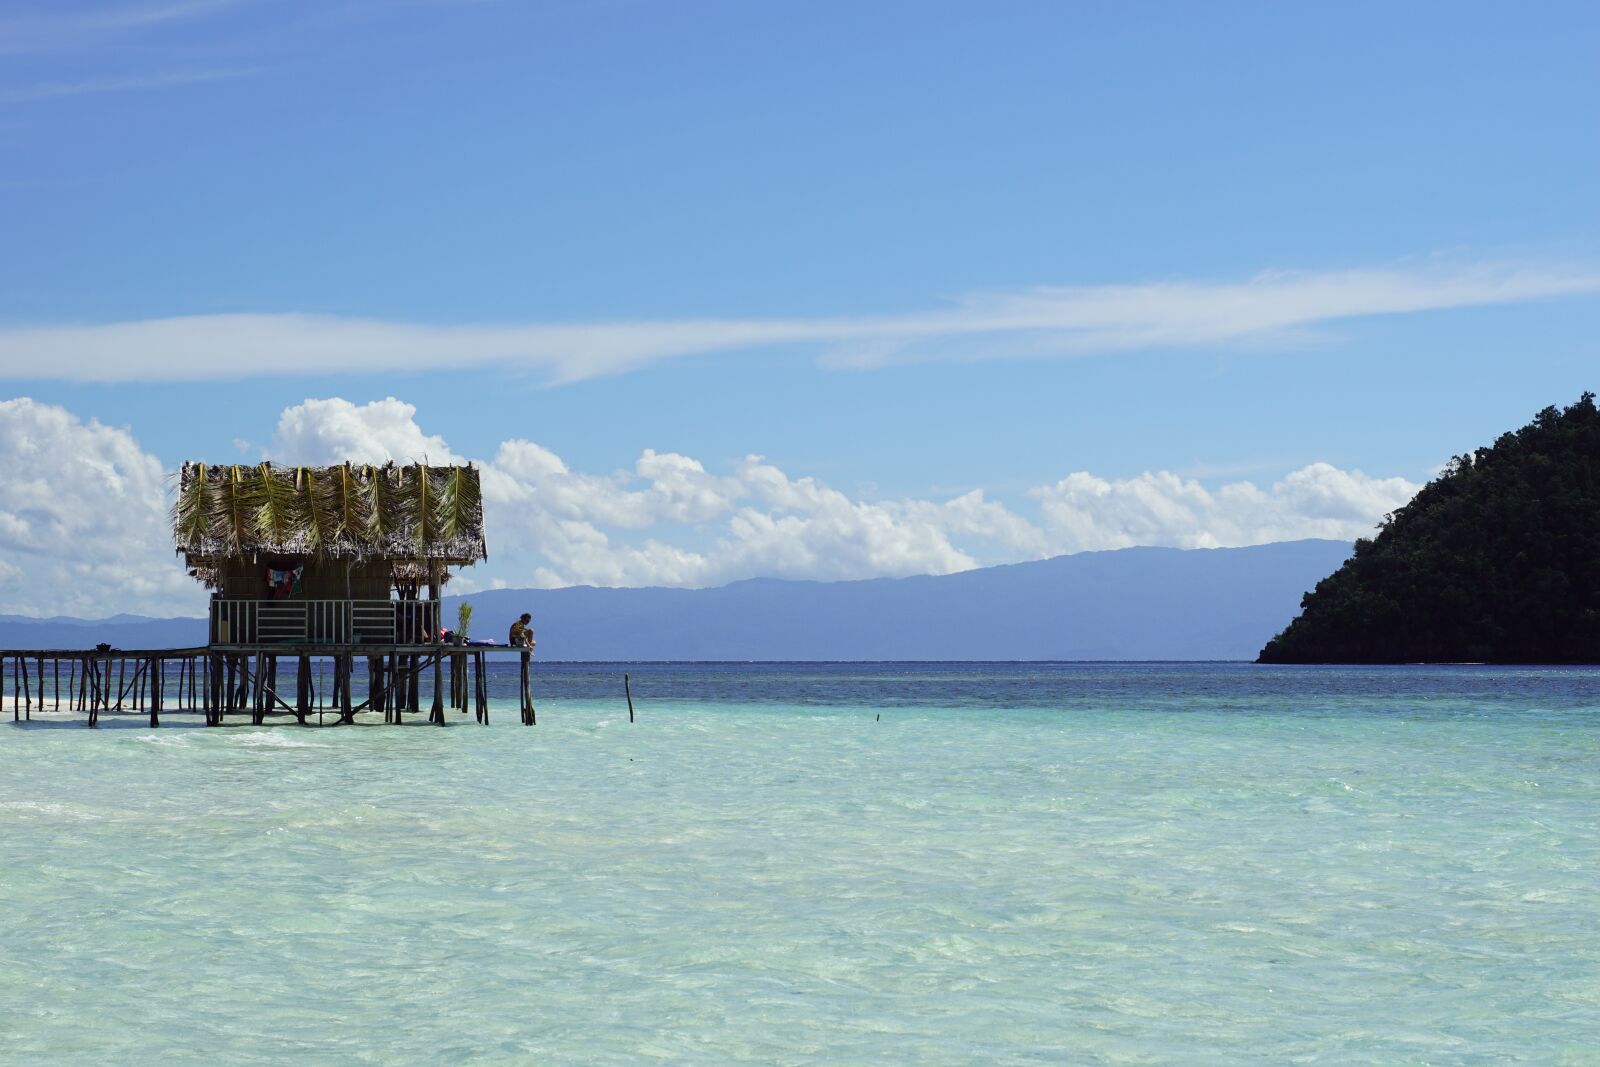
[(480, 688), (258, 690), (529, 715), (347, 666), (436, 716), (213, 691), (93, 678), (302, 689), (399, 686), (628, 691), (155, 691)]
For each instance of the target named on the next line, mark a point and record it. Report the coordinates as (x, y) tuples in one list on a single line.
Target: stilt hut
[(318, 566), (342, 555)]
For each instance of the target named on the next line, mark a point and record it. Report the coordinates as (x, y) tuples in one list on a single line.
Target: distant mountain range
[(119, 631), (1128, 604)]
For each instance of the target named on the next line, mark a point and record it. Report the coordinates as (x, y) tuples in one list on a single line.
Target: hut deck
[(216, 680)]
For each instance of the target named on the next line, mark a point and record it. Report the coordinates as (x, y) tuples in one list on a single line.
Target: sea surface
[(825, 864)]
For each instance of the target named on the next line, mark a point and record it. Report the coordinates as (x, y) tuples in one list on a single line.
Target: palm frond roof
[(408, 512)]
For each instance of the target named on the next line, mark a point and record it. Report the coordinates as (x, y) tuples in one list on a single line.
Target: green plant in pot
[(463, 622)]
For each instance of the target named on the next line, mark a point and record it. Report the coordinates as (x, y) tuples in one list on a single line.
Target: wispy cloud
[(47, 90), (1055, 321), (53, 28)]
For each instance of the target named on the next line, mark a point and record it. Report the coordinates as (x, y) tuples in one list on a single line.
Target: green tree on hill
[(1495, 560)]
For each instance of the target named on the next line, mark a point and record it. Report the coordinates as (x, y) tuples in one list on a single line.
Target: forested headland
[(1496, 560)]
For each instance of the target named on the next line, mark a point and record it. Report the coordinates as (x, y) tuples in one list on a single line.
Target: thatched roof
[(407, 514)]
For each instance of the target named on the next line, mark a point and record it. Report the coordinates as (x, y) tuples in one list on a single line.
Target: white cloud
[(702, 528), (1083, 512), (83, 524), (335, 430), (83, 519), (1046, 321)]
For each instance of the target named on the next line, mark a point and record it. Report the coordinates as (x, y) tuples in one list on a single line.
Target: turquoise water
[(817, 865)]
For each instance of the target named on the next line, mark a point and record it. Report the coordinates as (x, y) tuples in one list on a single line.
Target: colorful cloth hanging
[(284, 583)]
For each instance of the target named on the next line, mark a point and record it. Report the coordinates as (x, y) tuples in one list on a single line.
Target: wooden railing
[(324, 622)]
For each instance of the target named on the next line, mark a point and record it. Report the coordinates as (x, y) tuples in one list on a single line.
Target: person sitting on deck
[(522, 633)]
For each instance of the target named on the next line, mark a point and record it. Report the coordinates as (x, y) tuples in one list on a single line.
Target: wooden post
[(628, 691), (480, 686), (269, 688), (347, 666), (400, 686), (155, 692), (436, 716), (375, 683), (258, 691), (213, 690), (302, 688), (530, 717), (91, 667)]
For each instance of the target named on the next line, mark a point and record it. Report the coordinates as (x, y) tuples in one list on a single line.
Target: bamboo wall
[(244, 579)]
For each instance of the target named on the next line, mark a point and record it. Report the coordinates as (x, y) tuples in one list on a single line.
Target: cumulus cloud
[(1051, 321), (1082, 512), (83, 525), (754, 521), (335, 430), (667, 520)]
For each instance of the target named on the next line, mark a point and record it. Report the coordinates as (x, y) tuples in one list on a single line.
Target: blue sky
[(905, 250)]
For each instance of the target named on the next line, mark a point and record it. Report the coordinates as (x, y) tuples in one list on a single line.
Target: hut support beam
[(529, 716)]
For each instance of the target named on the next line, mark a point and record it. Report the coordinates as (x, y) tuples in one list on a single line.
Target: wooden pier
[(330, 685), (316, 568)]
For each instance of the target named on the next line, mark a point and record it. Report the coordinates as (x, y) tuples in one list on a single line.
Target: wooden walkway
[(243, 680)]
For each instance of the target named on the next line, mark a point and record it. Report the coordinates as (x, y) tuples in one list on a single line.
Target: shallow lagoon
[(877, 863)]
